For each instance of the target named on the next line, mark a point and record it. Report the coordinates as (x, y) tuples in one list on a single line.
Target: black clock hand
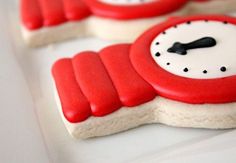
[(181, 48)]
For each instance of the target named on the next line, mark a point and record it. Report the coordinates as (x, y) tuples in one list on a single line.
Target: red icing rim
[(151, 9), (174, 87)]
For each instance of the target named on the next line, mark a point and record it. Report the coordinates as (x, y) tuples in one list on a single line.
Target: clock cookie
[(44, 22), (179, 73)]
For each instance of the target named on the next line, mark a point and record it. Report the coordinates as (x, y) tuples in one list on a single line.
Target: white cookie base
[(53, 34), (104, 28), (159, 110), (119, 30)]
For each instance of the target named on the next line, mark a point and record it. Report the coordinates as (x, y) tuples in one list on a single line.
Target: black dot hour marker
[(206, 20), (157, 54), (225, 22), (205, 71), (164, 33), (167, 63), (185, 69), (188, 22), (157, 43), (223, 69), (175, 26), (182, 48)]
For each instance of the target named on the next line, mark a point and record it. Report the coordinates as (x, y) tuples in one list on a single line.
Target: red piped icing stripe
[(75, 9), (38, 13), (132, 89), (53, 12), (74, 104), (95, 83), (31, 14)]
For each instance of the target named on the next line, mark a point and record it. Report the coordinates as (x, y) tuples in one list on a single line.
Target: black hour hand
[(181, 48)]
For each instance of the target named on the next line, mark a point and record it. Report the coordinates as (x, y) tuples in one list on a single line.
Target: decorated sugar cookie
[(50, 21), (180, 73)]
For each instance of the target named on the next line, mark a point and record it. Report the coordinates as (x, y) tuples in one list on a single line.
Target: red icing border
[(175, 87), (151, 9)]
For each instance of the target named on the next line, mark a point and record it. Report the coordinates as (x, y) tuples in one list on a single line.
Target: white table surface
[(20, 136)]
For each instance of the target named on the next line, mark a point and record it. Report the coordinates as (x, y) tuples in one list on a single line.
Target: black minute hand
[(181, 48)]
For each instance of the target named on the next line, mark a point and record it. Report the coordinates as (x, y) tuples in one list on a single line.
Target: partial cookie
[(180, 73), (44, 22)]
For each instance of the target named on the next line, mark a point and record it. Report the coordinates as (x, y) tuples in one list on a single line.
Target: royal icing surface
[(39, 13), (121, 9), (132, 89), (75, 105), (200, 63), (126, 2)]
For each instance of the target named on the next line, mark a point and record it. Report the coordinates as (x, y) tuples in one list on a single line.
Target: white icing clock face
[(126, 2), (203, 49)]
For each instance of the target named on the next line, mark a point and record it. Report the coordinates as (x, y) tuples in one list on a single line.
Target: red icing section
[(96, 84), (53, 12), (175, 87), (142, 10), (202, 0), (132, 89), (38, 13), (75, 9), (31, 14), (75, 106)]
